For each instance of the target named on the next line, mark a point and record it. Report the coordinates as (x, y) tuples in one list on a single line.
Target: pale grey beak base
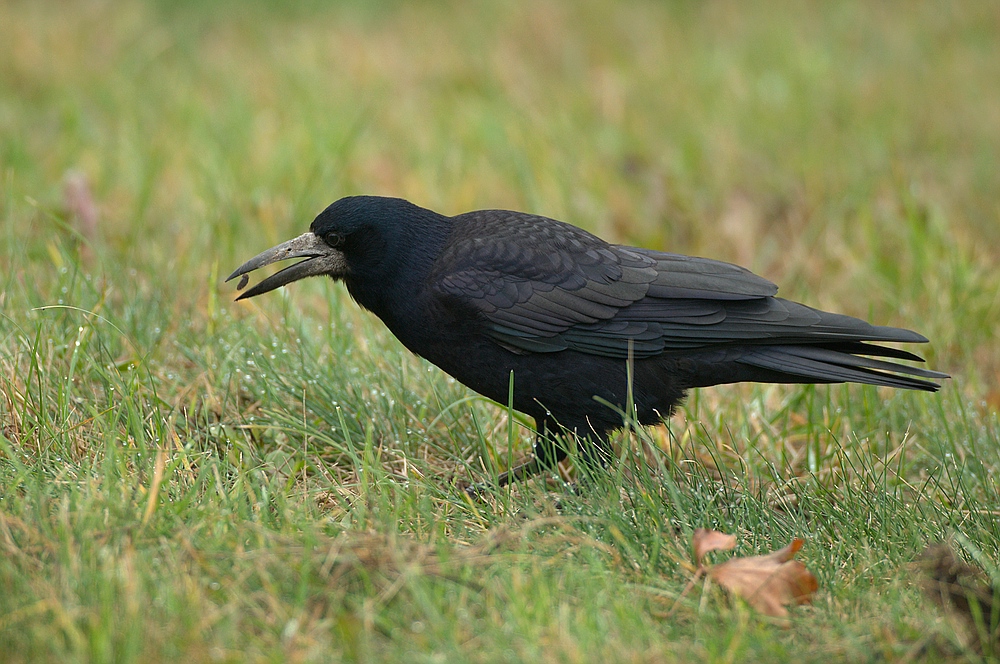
[(320, 259)]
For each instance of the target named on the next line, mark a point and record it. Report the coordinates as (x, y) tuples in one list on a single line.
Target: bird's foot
[(516, 474)]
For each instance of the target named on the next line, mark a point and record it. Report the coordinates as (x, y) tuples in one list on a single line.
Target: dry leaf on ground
[(704, 541), (768, 583)]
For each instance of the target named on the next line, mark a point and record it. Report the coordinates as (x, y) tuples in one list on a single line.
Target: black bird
[(487, 293)]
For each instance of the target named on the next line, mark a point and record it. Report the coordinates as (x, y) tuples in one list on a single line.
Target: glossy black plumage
[(491, 292)]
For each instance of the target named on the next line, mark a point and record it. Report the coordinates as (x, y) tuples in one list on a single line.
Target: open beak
[(320, 258)]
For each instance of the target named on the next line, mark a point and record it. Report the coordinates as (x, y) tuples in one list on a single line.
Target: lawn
[(184, 478)]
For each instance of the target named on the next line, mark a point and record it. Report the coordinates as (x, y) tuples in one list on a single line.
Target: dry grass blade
[(78, 201)]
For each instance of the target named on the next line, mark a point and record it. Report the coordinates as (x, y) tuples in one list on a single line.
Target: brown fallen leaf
[(704, 541), (768, 583)]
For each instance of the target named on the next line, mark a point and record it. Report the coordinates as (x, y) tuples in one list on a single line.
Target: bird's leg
[(596, 453), (548, 450), (547, 454), (519, 472)]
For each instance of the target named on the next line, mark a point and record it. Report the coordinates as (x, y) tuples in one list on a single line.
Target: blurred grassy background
[(848, 151), (816, 145)]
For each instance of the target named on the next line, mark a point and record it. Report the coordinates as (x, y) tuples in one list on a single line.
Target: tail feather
[(838, 364), (859, 348)]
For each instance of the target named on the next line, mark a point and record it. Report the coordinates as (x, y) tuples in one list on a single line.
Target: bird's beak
[(320, 258)]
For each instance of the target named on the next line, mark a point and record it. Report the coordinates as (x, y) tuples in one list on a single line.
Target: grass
[(182, 478)]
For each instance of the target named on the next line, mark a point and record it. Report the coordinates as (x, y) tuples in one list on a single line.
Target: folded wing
[(541, 286)]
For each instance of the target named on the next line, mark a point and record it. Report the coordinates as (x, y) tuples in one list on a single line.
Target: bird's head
[(355, 236)]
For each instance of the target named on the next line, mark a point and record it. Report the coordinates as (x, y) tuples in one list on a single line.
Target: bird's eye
[(334, 239)]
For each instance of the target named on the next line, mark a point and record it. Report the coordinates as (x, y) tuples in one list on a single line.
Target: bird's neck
[(395, 289)]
